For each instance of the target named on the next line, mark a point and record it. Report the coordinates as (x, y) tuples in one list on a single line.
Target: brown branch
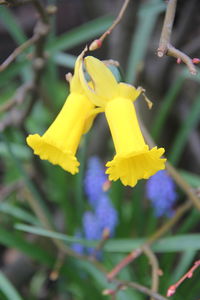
[(98, 42), (172, 289), (7, 190), (102, 242), (155, 269), (154, 237), (165, 47), (41, 10), (18, 51), (140, 288), (18, 98), (12, 3)]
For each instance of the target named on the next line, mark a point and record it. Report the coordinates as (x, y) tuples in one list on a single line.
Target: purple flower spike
[(91, 228), (106, 214), (78, 248), (94, 179), (161, 191)]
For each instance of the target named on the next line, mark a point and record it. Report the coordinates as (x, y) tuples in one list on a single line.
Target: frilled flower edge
[(136, 165), (54, 153)]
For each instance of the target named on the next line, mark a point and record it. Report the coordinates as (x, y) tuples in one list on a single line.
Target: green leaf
[(167, 244), (64, 59), (13, 70), (80, 34), (18, 212), (183, 265), (37, 198), (165, 106), (147, 18), (54, 235), (187, 126), (13, 240), (12, 25), (20, 151), (8, 289)]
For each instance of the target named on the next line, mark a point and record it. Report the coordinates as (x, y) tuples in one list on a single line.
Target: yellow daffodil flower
[(60, 142), (133, 160)]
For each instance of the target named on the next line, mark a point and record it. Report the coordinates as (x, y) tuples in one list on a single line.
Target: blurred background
[(42, 207)]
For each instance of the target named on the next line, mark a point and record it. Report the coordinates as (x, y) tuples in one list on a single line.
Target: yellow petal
[(48, 150), (128, 91), (60, 142), (75, 84), (133, 159), (89, 90), (104, 82), (137, 165), (90, 119)]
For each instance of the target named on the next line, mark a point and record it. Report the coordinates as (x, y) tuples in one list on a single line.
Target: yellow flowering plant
[(60, 142), (133, 160)]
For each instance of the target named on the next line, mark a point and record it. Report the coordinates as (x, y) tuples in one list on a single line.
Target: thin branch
[(155, 269), (98, 42), (172, 289), (18, 98), (102, 242), (10, 4), (167, 28), (41, 10), (140, 288), (165, 47), (154, 237), (18, 51)]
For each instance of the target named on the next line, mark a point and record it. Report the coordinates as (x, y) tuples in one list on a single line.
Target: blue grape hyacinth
[(161, 191), (106, 214), (103, 215), (95, 177), (78, 248)]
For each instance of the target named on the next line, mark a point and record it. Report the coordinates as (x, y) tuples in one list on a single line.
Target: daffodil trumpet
[(133, 160), (59, 143)]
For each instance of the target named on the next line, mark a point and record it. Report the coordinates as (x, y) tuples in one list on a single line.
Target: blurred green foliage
[(65, 192)]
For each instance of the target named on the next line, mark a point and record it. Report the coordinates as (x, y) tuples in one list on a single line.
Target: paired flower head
[(133, 159)]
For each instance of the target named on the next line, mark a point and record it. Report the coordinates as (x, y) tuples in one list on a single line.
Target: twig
[(18, 51), (155, 269), (123, 263), (172, 289), (165, 46), (18, 98), (58, 264), (183, 185), (161, 231), (99, 247), (98, 42), (41, 10), (140, 288), (9, 189)]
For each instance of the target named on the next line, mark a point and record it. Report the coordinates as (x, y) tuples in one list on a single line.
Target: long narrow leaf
[(167, 244), (182, 136), (12, 25), (8, 289), (80, 34)]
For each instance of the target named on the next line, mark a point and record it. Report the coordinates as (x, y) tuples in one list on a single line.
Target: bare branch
[(98, 42), (165, 47)]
